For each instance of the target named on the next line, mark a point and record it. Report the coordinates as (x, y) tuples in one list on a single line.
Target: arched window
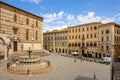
[(87, 44), (78, 44), (102, 47), (95, 44), (69, 44), (72, 44), (107, 47), (91, 44), (75, 44), (27, 34)]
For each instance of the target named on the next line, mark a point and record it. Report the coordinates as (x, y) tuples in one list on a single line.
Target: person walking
[(94, 75)]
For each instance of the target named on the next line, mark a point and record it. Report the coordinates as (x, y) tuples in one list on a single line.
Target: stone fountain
[(29, 64)]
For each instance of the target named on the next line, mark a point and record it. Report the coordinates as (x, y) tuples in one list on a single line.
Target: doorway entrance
[(15, 45)]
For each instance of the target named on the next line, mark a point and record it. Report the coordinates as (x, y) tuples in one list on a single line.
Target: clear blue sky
[(59, 14)]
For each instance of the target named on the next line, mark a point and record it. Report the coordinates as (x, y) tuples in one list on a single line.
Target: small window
[(36, 36), (102, 32), (102, 39), (36, 23), (76, 30), (91, 35), (79, 29), (95, 44), (27, 34), (15, 31), (87, 36), (107, 31), (95, 27), (15, 17), (27, 21), (102, 47), (95, 35), (107, 38), (91, 28), (73, 30), (83, 29), (87, 29), (107, 47)]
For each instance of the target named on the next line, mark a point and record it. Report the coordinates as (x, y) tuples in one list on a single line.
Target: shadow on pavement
[(84, 78)]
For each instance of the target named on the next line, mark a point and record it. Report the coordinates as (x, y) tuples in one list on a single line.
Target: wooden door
[(15, 46)]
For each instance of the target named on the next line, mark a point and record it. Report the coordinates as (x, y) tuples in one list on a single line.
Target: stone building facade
[(24, 29), (86, 39), (56, 41), (109, 39)]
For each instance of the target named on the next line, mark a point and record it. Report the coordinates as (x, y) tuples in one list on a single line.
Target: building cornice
[(85, 24), (20, 10), (110, 23)]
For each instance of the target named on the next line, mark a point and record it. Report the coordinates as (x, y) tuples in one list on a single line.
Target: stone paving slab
[(66, 69)]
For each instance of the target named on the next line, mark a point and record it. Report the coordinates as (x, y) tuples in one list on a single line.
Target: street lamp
[(83, 46), (32, 43), (112, 62)]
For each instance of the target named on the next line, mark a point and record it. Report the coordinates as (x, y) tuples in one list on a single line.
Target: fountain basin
[(28, 65)]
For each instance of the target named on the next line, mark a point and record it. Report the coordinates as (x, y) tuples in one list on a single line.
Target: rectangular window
[(15, 17), (107, 31), (107, 38), (36, 23), (27, 34), (102, 32), (27, 21), (95, 27), (15, 30), (36, 36), (102, 39)]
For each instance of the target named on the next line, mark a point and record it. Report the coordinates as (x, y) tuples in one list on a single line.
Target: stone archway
[(4, 42), (2, 48), (63, 51)]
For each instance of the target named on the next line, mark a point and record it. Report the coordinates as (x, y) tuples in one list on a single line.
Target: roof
[(111, 23), (55, 31), (20, 9), (85, 24)]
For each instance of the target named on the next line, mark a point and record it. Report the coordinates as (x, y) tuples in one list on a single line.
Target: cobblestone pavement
[(66, 69)]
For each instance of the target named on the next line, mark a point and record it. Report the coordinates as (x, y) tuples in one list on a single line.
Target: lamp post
[(112, 62), (32, 43), (83, 46), (53, 42)]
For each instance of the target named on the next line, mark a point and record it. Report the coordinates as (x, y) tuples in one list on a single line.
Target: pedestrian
[(28, 71), (94, 75), (81, 59), (75, 60)]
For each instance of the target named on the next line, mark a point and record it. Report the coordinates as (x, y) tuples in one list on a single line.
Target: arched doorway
[(56, 50), (2, 48), (96, 55), (59, 50), (83, 53), (63, 51), (99, 55), (15, 44)]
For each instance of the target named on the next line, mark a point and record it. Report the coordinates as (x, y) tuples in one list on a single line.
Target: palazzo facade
[(90, 40), (22, 28)]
